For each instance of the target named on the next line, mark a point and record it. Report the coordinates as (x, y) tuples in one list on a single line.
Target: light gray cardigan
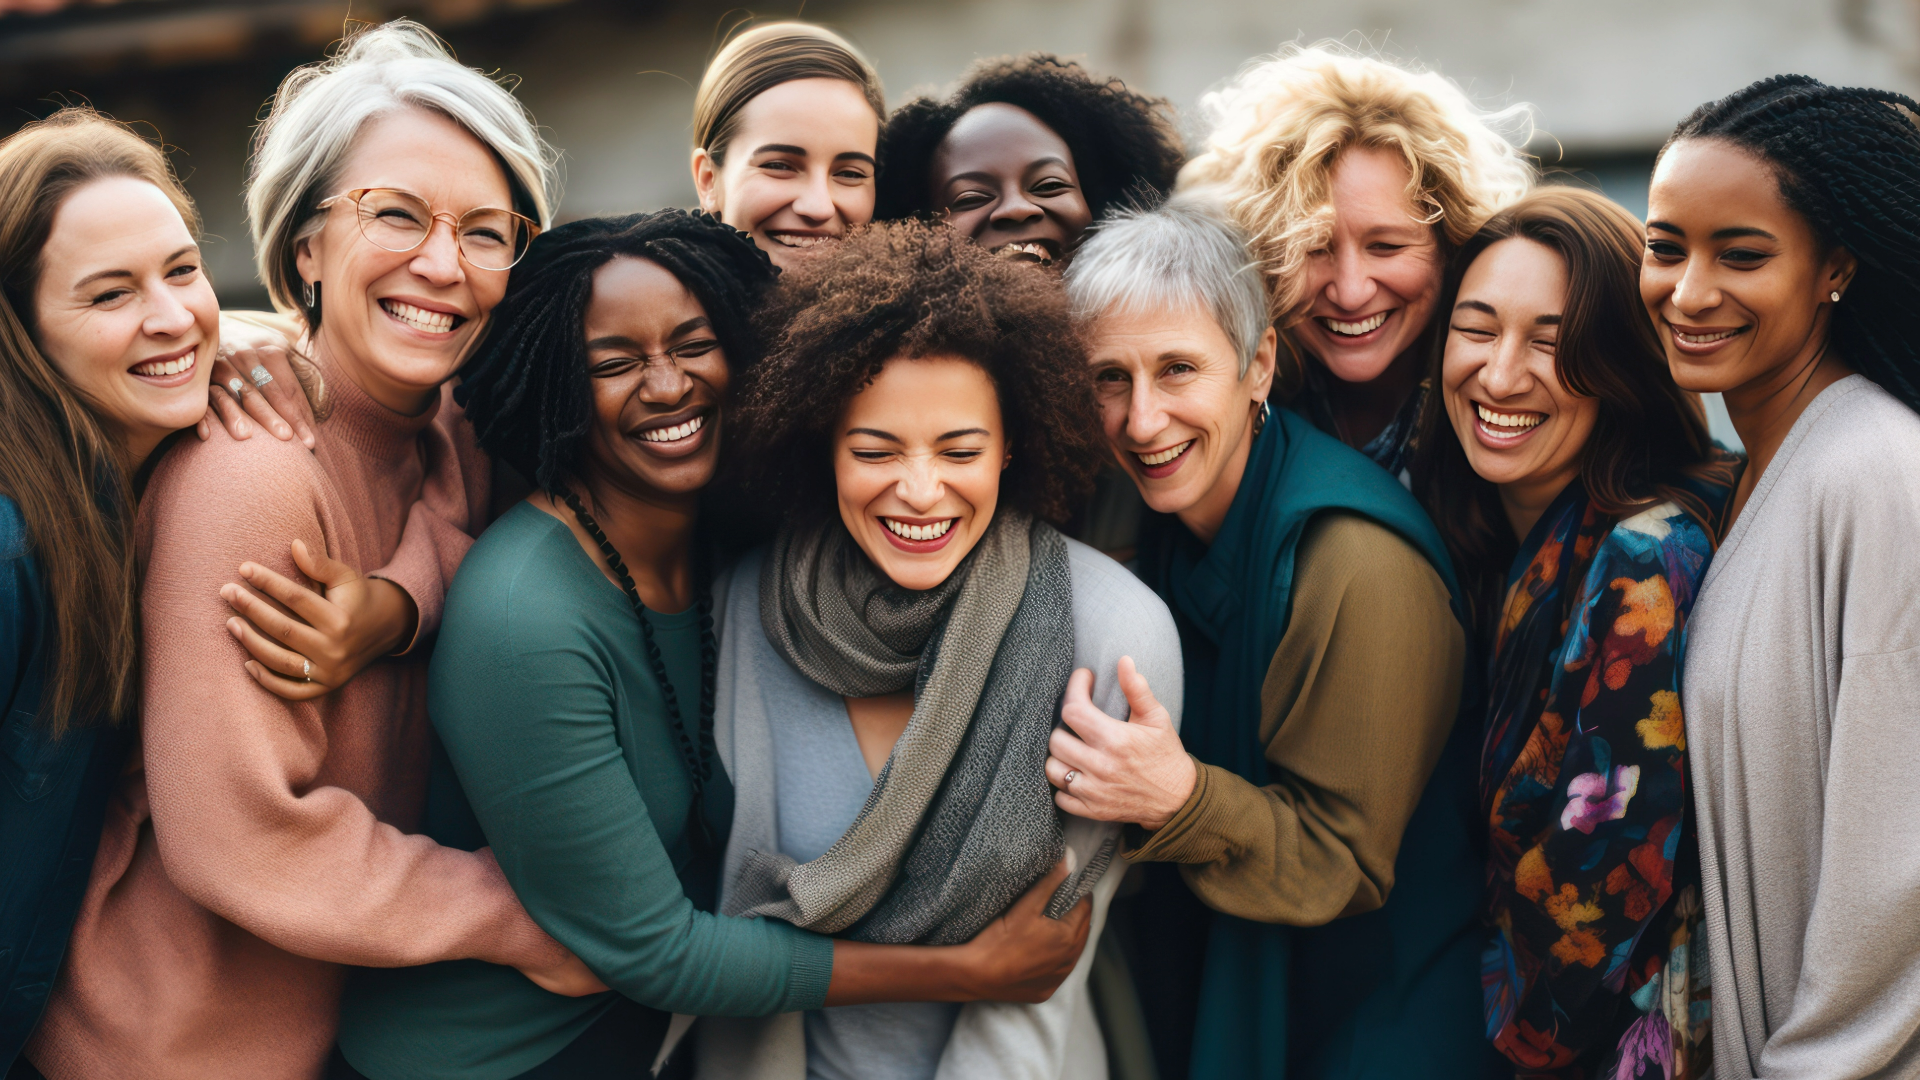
[(1114, 615), (1802, 704)]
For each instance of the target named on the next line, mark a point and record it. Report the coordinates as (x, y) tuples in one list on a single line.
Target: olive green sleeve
[(1357, 703)]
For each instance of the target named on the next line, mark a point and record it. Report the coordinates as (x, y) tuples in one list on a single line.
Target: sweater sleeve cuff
[(810, 973), (1189, 836)]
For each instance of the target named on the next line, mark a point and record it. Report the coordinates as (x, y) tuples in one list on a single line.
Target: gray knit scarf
[(961, 820)]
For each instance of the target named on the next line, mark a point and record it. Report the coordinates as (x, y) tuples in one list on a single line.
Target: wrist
[(1177, 795)]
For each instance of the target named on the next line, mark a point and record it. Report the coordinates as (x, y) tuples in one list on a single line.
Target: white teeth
[(1030, 248), (919, 532), (676, 432), (433, 322), (795, 240), (164, 367), (1354, 329), (1161, 457), (1507, 420), (1702, 339)]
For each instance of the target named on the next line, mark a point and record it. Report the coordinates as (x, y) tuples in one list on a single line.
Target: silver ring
[(237, 387), (1067, 780), (306, 670), (260, 375)]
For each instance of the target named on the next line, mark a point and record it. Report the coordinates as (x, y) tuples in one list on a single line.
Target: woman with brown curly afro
[(1026, 153), (891, 665)]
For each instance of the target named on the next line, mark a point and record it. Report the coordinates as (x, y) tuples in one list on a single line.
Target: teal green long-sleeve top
[(558, 752)]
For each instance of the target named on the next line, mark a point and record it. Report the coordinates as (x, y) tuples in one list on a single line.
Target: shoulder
[(1107, 596), (1359, 557), (15, 542), (258, 476), (520, 576), (1863, 440)]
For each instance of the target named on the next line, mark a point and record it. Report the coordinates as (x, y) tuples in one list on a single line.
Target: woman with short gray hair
[(1318, 766), (273, 838)]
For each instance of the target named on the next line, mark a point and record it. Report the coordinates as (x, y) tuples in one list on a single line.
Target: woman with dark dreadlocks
[(1026, 153), (573, 684), (1783, 270)]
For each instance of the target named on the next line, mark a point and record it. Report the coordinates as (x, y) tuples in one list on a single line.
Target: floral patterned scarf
[(1592, 971)]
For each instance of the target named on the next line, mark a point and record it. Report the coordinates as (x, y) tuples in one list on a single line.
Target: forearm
[(865, 973)]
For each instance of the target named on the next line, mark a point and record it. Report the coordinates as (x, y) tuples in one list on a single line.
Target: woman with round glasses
[(269, 842)]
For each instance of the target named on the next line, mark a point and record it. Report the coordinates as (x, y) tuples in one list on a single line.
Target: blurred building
[(612, 80)]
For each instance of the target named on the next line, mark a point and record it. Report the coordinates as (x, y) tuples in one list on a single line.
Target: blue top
[(53, 797)]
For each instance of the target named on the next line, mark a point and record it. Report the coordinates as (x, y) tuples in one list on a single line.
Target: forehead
[(824, 117), (1713, 184), (630, 291), (1516, 275), (927, 392), (427, 153), (998, 137), (119, 220), (1370, 184), (1187, 328)]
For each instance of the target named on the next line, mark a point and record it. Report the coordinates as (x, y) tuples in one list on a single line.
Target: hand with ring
[(1118, 770), (306, 643), (268, 394)]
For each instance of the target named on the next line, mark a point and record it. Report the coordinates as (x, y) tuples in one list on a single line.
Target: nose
[(1146, 417), (815, 203), (1014, 209), (1506, 373), (166, 315), (920, 486), (1695, 291), (1352, 287), (663, 383), (437, 259)]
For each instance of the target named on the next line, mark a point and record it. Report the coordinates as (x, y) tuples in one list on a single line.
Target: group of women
[(982, 596)]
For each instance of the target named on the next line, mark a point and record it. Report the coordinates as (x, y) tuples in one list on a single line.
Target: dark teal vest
[(1392, 993)]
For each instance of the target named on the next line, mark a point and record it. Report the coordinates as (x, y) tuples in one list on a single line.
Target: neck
[(1363, 410), (653, 534), (1209, 512), (1525, 500), (1764, 409), (405, 400)]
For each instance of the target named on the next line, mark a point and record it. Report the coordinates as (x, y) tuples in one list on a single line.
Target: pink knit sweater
[(265, 843)]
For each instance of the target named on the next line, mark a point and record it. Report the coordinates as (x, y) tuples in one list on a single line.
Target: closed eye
[(1477, 333)]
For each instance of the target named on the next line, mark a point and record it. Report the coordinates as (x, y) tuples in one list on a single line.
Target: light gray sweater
[(1801, 698), (800, 781)]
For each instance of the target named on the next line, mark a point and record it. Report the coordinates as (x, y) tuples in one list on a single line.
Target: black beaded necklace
[(697, 748)]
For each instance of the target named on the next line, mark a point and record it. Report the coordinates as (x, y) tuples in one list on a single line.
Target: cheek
[(855, 203), (1415, 279)]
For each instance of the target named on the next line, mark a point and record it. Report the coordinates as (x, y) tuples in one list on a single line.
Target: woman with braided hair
[(1782, 270), (573, 690), (1026, 153)]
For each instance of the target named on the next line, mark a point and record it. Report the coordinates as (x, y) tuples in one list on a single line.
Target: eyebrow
[(891, 437), (103, 274), (698, 322), (1483, 306), (1733, 233)]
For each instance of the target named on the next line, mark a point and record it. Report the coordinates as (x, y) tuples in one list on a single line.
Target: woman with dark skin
[(1026, 153), (573, 692)]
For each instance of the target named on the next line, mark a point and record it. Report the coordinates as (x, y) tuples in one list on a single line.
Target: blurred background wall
[(612, 80)]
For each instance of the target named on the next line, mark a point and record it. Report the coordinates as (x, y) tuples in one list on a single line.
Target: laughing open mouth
[(1161, 457), (427, 322), (683, 430), (918, 532), (1354, 329), (1035, 251)]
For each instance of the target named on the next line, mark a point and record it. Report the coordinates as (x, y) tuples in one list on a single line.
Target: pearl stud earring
[(1834, 296)]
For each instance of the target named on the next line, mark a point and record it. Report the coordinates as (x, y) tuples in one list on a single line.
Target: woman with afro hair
[(893, 663), (1782, 270), (572, 690), (1026, 153)]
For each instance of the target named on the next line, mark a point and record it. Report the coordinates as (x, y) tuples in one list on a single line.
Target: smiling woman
[(892, 664), (786, 125), (1580, 497)]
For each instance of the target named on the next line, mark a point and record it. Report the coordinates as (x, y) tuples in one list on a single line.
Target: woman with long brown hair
[(1579, 496)]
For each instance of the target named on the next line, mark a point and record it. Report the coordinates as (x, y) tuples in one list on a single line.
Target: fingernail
[(283, 431), (233, 627), (246, 570), (241, 427)]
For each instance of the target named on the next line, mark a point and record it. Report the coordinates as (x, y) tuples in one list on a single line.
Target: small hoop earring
[(1260, 418), (1834, 296), (310, 294)]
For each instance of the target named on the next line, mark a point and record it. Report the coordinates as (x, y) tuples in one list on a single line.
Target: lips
[(169, 369), (1704, 339), (797, 239), (1360, 328), (675, 433), (919, 536), (1160, 463), (421, 319), (675, 436)]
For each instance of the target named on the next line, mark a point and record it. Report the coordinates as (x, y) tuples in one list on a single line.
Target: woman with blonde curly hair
[(1356, 178)]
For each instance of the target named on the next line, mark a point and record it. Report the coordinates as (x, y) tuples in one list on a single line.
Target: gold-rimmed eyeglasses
[(395, 220)]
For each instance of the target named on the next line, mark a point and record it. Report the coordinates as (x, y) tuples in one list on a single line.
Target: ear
[(1840, 268), (306, 257), (706, 180), (1261, 370)]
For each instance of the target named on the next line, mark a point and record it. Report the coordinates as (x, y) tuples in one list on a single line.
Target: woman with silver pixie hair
[(270, 841), (1318, 801)]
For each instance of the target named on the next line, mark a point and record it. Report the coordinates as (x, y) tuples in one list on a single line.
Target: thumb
[(1146, 709), (329, 572)]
